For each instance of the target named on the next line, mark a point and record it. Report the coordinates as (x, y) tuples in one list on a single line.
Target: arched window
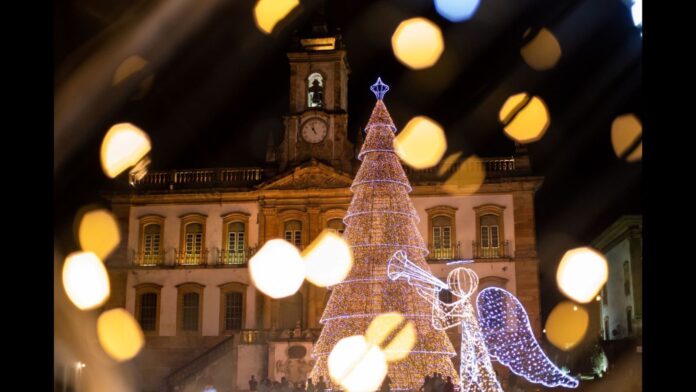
[(151, 245), (336, 225), (442, 230), (235, 243), (293, 232), (232, 300), (491, 241), (490, 231), (150, 252), (147, 299), (190, 298), (315, 90), (190, 306), (442, 237)]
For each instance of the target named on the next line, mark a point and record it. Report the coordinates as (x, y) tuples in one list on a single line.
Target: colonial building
[(182, 268), (620, 310)]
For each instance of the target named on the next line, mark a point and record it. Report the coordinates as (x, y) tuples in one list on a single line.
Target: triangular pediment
[(312, 174)]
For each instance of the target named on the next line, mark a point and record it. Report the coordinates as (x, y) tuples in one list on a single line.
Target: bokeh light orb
[(456, 10), (124, 145), (566, 325), (386, 325), (525, 118), (626, 137), (357, 365), (421, 144), (119, 334), (417, 43), (465, 177), (98, 232), (542, 52), (267, 13), (85, 280), (581, 274), (277, 269), (328, 259)]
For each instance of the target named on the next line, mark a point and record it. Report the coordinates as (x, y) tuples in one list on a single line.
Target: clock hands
[(314, 131)]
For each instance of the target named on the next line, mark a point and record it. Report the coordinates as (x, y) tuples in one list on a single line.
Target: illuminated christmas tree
[(380, 221)]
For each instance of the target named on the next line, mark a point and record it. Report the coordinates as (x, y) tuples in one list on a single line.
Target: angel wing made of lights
[(510, 340)]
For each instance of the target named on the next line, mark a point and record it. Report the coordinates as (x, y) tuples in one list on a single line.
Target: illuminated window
[(293, 232), (147, 297), (150, 251), (234, 238), (336, 225), (315, 90), (192, 251), (490, 239), (190, 297), (442, 237), (442, 233)]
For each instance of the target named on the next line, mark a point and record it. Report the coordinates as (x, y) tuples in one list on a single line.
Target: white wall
[(617, 298), (211, 278), (466, 216)]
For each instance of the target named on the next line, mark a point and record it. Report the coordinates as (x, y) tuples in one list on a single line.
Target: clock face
[(314, 130)]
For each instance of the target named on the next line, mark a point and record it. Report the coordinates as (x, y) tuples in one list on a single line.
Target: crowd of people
[(434, 383)]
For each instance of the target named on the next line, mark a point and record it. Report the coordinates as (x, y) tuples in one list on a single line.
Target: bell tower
[(316, 125)]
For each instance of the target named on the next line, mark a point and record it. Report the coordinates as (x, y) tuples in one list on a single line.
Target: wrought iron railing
[(191, 258), (444, 253), (234, 257), (142, 259), (502, 251)]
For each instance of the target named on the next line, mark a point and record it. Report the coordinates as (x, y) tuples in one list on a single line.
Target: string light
[(510, 341), (476, 371), (380, 220), (500, 332)]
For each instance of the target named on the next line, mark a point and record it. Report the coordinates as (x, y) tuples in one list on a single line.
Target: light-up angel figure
[(501, 331)]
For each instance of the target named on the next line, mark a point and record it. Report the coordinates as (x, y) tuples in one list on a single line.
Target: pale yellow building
[(182, 270)]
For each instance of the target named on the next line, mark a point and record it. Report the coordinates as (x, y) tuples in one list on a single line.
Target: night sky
[(223, 87)]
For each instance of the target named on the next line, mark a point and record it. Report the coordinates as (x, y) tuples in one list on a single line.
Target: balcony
[(500, 252), (493, 167), (228, 258), (202, 178), (440, 254), (191, 259), (147, 259)]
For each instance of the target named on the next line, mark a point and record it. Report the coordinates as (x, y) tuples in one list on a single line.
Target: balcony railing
[(494, 167), (141, 259), (188, 258), (443, 254), (202, 178), (234, 258), (502, 251)]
